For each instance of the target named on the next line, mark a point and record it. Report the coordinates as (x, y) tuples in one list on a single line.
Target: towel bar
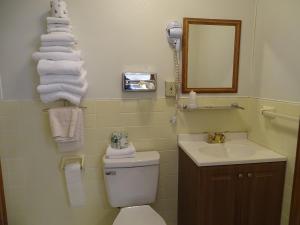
[(71, 159), (269, 112)]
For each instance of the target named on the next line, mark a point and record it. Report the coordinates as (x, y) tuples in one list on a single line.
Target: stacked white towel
[(60, 66), (113, 153), (67, 127)]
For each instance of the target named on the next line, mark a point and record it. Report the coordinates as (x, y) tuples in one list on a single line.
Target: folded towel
[(62, 121), (58, 36), (58, 43), (66, 79), (47, 67), (59, 25), (120, 153), (120, 156), (70, 56), (59, 29), (56, 49), (53, 20), (50, 88), (52, 97)]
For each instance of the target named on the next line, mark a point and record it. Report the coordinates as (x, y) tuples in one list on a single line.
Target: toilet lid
[(138, 215)]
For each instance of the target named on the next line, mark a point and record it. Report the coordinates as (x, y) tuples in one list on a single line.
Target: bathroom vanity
[(234, 183)]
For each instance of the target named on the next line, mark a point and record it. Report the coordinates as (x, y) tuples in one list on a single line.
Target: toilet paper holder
[(65, 160)]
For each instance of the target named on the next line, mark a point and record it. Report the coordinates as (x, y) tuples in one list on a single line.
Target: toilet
[(131, 184)]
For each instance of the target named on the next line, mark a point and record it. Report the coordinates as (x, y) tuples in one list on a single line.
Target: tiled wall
[(279, 135), (34, 186)]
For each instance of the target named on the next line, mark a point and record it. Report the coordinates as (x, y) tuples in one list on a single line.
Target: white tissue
[(75, 188)]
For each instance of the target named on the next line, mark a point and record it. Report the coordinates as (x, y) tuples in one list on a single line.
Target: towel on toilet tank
[(113, 153), (58, 36)]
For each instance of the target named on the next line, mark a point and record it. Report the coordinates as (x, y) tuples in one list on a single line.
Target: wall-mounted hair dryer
[(174, 35)]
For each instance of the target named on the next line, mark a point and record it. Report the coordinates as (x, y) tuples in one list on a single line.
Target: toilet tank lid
[(140, 159)]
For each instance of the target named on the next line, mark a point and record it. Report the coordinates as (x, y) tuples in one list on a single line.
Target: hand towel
[(59, 29), (52, 97), (120, 153), (58, 43), (51, 88), (56, 49), (54, 20), (62, 121), (67, 128), (66, 79), (58, 36), (46, 67), (56, 56)]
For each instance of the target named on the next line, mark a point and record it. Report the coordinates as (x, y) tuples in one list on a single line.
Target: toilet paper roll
[(74, 183)]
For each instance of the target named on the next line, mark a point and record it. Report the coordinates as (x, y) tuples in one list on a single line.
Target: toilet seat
[(138, 215)]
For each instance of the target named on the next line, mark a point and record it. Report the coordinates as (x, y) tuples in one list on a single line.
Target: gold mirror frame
[(185, 45)]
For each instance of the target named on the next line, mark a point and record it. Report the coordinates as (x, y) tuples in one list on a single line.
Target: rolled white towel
[(71, 56), (50, 88), (56, 49), (54, 20), (52, 97), (67, 79), (58, 43), (58, 36), (59, 29), (47, 67), (59, 25)]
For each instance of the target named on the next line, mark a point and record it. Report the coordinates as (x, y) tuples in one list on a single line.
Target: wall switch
[(170, 88)]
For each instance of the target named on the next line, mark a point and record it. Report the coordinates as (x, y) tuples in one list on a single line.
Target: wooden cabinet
[(3, 219), (248, 194)]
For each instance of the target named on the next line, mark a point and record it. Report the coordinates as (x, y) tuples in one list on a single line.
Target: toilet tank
[(132, 181)]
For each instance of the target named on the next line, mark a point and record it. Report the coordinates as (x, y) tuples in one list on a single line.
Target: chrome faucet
[(217, 137)]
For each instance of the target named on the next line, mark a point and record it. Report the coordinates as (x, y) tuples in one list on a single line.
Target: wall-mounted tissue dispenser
[(139, 81)]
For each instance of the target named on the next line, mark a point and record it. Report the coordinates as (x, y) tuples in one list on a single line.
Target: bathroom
[(130, 36)]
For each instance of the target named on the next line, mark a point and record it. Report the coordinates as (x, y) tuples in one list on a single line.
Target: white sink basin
[(237, 149)]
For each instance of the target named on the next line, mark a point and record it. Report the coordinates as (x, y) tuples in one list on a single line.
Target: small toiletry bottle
[(192, 100)]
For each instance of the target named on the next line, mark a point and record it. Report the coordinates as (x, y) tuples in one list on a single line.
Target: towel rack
[(65, 104), (269, 112)]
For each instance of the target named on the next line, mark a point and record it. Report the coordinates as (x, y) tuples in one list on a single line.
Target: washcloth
[(66, 79), (54, 20), (128, 152), (58, 43), (70, 56), (59, 29), (58, 36), (46, 67), (50, 88), (51, 97), (56, 49)]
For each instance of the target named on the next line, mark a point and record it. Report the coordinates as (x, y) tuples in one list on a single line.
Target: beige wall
[(277, 50), (114, 36)]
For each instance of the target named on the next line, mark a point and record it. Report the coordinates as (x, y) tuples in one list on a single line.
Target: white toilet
[(131, 184)]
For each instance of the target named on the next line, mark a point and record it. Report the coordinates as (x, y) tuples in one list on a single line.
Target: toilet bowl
[(131, 184), (138, 215)]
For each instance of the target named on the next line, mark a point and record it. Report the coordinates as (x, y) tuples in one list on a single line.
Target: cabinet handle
[(240, 175), (250, 175)]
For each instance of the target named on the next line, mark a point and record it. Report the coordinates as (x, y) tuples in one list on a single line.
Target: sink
[(214, 150), (240, 150), (237, 149)]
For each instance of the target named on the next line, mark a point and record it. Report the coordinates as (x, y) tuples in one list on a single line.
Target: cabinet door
[(187, 190), (265, 185), (218, 196)]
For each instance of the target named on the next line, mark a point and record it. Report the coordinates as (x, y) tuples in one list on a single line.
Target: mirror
[(210, 61)]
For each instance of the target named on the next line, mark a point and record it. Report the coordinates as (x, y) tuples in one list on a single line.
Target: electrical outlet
[(170, 88)]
